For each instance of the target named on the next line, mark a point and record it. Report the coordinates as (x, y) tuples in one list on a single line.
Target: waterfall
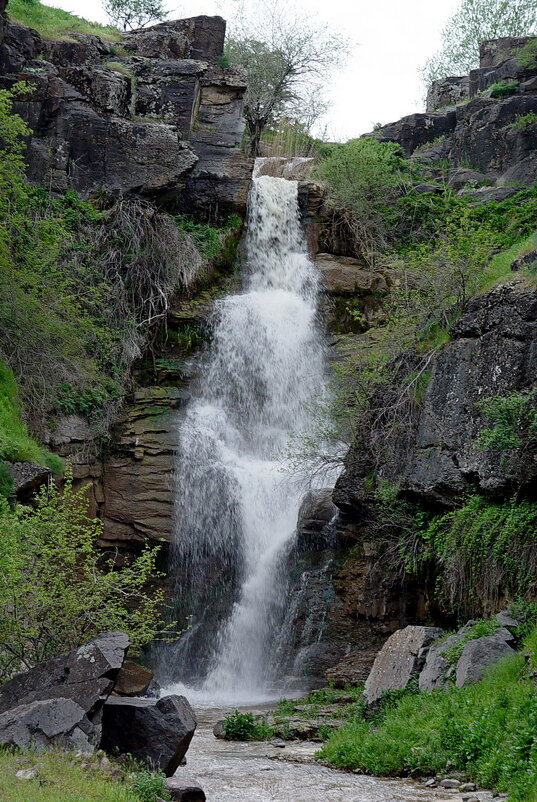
[(236, 510)]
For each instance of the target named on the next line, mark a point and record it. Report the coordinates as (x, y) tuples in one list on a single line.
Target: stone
[(447, 92), (68, 691), (49, 723), (417, 129), (157, 732), (26, 774), (450, 783), (524, 261), (316, 512), (461, 176), (399, 660), (507, 621), (199, 37), (133, 679), (479, 654), (493, 52), (344, 275), (219, 729), (182, 789), (467, 787), (352, 670), (28, 477)]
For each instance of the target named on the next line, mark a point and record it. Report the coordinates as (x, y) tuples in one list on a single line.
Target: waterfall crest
[(236, 511)]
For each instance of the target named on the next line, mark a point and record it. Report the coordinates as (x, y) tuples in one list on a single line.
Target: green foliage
[(131, 14), (480, 629), (483, 548), (15, 442), (364, 176), (81, 289), (149, 786), (6, 482), (473, 22), (208, 239), (502, 88), (527, 56), (246, 727), (57, 588), (486, 730), (524, 121), (54, 22), (513, 418)]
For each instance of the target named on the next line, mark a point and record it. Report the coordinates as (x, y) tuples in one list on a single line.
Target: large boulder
[(45, 724), (133, 679), (57, 701), (399, 660), (155, 732), (481, 653)]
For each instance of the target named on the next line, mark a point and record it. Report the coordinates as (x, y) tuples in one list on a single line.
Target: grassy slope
[(15, 442), (56, 23), (62, 780), (487, 730)]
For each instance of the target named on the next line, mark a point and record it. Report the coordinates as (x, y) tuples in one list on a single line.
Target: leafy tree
[(283, 56), (131, 14), (472, 23), (57, 589)]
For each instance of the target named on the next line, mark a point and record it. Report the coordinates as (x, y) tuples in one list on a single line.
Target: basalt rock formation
[(162, 121)]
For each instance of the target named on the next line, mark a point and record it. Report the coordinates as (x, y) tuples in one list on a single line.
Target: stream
[(231, 771)]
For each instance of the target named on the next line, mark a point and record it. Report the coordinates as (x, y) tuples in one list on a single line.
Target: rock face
[(491, 352), (158, 732), (352, 297), (27, 478), (481, 132), (400, 659), (60, 702), (133, 679), (162, 119)]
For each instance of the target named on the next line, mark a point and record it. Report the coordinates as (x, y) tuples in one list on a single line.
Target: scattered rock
[(219, 729), (400, 659), (461, 176), (467, 787), (184, 790), (450, 782), (158, 732), (521, 263), (27, 774)]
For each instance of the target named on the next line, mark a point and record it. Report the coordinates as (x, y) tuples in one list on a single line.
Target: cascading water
[(236, 509)]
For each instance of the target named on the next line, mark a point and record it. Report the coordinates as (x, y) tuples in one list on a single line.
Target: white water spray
[(236, 510)]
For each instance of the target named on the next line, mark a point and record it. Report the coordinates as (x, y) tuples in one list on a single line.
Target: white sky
[(391, 40)]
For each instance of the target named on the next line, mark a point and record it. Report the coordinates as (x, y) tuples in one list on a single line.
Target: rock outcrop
[(60, 702), (161, 119), (154, 732), (482, 132), (491, 352)]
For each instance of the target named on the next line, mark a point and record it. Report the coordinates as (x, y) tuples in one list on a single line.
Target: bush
[(514, 419), (502, 89), (149, 786), (57, 589), (246, 727), (524, 121)]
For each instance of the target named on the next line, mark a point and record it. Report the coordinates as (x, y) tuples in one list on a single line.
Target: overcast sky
[(391, 39)]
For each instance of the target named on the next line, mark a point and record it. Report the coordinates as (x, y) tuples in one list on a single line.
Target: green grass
[(499, 266), (15, 442), (55, 23), (64, 780), (481, 629), (487, 730)]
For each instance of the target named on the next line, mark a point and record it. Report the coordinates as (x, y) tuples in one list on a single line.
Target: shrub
[(480, 629), (524, 121), (57, 588), (246, 727), (149, 786), (527, 56), (514, 419), (502, 89)]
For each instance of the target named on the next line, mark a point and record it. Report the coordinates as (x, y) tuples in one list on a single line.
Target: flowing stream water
[(236, 510)]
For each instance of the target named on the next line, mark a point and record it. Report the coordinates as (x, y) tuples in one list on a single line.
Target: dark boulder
[(447, 92), (524, 261), (182, 789), (28, 477), (314, 516), (48, 723), (71, 688), (157, 732), (194, 38), (418, 129)]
